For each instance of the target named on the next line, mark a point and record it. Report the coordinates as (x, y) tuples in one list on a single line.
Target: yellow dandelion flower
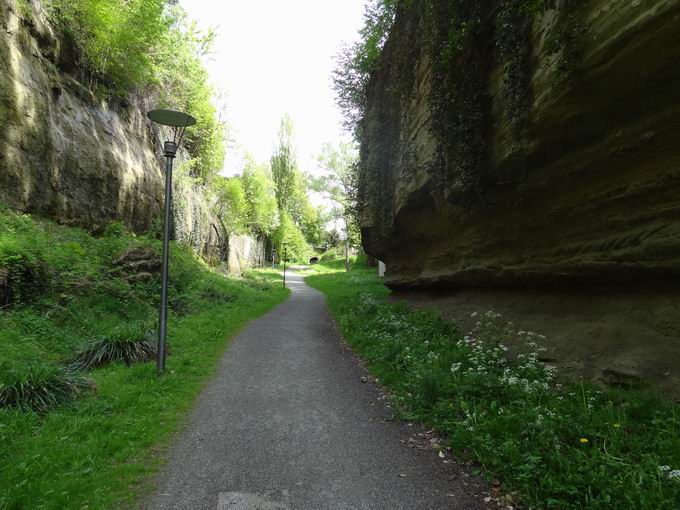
[(584, 440)]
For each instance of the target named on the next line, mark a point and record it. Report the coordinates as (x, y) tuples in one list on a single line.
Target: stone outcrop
[(63, 153), (68, 155), (140, 263), (244, 253), (527, 161), (504, 145)]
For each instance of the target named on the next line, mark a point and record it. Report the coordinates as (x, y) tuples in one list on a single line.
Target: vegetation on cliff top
[(548, 442), (124, 47), (73, 324)]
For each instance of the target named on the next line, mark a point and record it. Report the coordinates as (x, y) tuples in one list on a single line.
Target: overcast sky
[(272, 57)]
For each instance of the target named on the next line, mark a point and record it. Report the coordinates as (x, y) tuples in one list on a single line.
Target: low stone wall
[(245, 252)]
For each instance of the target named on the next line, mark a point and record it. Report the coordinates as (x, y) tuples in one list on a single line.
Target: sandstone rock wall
[(509, 147), (63, 153), (67, 155), (244, 253)]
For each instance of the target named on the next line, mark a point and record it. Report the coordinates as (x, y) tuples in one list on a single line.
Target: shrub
[(39, 386), (24, 272), (127, 344), (115, 39), (334, 252), (122, 47), (212, 293)]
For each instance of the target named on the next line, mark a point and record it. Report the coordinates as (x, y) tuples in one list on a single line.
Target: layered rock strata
[(505, 145)]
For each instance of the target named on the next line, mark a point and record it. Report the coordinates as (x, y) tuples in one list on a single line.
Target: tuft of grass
[(554, 442), (39, 386), (128, 344)]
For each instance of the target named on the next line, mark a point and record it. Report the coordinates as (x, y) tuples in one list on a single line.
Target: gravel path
[(288, 424)]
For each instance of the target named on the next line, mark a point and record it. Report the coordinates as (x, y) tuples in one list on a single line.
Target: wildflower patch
[(555, 443)]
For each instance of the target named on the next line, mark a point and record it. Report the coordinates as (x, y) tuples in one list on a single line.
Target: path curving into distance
[(287, 424)]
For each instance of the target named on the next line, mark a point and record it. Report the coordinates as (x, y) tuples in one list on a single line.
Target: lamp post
[(178, 121)]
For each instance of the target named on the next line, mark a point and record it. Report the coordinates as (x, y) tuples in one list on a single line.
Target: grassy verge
[(552, 443), (97, 448)]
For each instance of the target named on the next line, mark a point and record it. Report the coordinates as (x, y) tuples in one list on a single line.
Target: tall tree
[(284, 165), (340, 184), (260, 194)]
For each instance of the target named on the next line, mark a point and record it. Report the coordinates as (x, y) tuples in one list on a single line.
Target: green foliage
[(298, 218), (355, 63), (184, 85), (284, 165), (39, 386), (115, 38), (340, 185), (335, 250), (97, 451), (125, 46), (311, 221), (260, 194), (21, 259), (24, 8), (232, 205), (289, 239), (556, 443), (332, 240), (129, 343)]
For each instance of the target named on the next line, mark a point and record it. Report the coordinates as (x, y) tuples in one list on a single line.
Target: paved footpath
[(287, 424)]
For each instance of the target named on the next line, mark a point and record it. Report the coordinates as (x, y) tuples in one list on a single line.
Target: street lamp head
[(178, 121)]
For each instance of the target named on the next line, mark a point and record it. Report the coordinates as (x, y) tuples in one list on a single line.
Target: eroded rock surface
[(63, 153), (68, 155), (504, 147), (529, 163)]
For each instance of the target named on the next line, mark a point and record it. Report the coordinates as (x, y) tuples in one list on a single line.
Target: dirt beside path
[(613, 335)]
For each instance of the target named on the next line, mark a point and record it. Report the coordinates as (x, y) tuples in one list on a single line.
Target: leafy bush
[(39, 386), (21, 259), (115, 39), (184, 85), (231, 204), (259, 188), (559, 443), (289, 240), (128, 344), (334, 252)]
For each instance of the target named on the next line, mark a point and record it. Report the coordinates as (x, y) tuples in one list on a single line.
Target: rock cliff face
[(67, 155), (63, 153), (505, 145)]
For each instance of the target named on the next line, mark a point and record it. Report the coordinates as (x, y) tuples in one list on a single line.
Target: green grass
[(553, 443), (99, 449), (334, 264)]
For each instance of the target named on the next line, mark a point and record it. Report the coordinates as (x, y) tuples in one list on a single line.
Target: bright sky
[(273, 57)]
